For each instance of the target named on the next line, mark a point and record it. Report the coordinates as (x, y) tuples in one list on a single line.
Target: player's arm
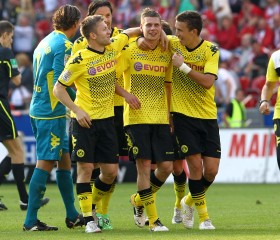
[(131, 99), (62, 95), (144, 45), (205, 80)]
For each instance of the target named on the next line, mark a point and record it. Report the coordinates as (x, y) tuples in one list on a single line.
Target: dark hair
[(148, 12), (89, 23), (192, 19), (166, 27), (65, 17), (6, 27), (94, 5)]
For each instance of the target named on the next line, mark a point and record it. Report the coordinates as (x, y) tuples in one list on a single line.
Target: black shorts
[(123, 149), (197, 136), (150, 141), (95, 145), (7, 124)]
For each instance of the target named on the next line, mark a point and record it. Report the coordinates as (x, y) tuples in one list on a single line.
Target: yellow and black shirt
[(188, 97), (145, 73), (94, 76)]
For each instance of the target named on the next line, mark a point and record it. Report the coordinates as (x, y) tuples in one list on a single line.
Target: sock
[(18, 172), (65, 185), (99, 189), (206, 184), (5, 168), (106, 199), (149, 204), (198, 195), (85, 200), (94, 175), (37, 188), (155, 186), (179, 188)]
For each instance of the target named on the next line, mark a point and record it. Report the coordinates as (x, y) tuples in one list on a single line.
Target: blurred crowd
[(246, 31)]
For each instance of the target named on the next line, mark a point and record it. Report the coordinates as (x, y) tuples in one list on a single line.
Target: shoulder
[(116, 31)]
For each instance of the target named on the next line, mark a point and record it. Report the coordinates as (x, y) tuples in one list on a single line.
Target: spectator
[(225, 85), (264, 34), (276, 29), (235, 113), (221, 8), (272, 9), (24, 36), (21, 95), (258, 61), (226, 29)]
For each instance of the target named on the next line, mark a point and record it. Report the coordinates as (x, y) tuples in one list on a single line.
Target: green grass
[(237, 211)]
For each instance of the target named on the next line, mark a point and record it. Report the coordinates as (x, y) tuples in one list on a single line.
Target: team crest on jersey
[(77, 59), (65, 76)]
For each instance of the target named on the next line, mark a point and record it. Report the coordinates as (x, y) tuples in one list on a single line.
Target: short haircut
[(6, 27), (94, 5), (148, 12), (192, 19), (166, 27), (88, 25), (65, 17)]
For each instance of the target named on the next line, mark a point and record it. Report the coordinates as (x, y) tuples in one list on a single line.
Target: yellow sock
[(106, 199), (97, 195), (201, 207), (180, 191), (149, 204), (85, 201)]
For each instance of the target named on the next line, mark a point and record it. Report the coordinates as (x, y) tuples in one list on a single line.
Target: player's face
[(185, 35), (106, 13), (103, 34), (151, 28), (7, 39)]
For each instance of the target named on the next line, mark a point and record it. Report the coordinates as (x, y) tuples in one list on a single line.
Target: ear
[(141, 28), (92, 35)]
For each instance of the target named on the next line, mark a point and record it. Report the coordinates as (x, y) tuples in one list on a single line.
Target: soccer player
[(8, 134), (272, 78), (195, 112), (148, 75), (104, 8), (93, 71), (48, 120)]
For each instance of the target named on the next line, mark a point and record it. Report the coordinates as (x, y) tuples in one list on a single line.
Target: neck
[(195, 43), (96, 46)]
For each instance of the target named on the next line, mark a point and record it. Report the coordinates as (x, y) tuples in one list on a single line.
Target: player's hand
[(143, 44), (264, 108), (133, 101), (83, 118), (177, 60)]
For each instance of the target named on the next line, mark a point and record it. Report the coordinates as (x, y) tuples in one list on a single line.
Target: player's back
[(49, 57)]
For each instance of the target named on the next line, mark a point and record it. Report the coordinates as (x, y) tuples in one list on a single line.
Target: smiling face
[(106, 13), (102, 34), (185, 35), (151, 28)]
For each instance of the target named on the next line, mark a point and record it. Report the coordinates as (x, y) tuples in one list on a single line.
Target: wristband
[(185, 68), (261, 101)]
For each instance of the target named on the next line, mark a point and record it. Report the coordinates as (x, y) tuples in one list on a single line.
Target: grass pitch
[(238, 211)]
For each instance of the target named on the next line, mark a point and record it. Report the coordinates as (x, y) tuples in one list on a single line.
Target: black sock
[(5, 168), (18, 172)]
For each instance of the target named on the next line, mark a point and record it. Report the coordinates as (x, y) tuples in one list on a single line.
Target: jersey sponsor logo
[(14, 63), (77, 59), (66, 75), (148, 67), (101, 68)]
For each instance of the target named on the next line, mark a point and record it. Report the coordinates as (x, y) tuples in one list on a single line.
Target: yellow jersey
[(188, 97), (94, 76)]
